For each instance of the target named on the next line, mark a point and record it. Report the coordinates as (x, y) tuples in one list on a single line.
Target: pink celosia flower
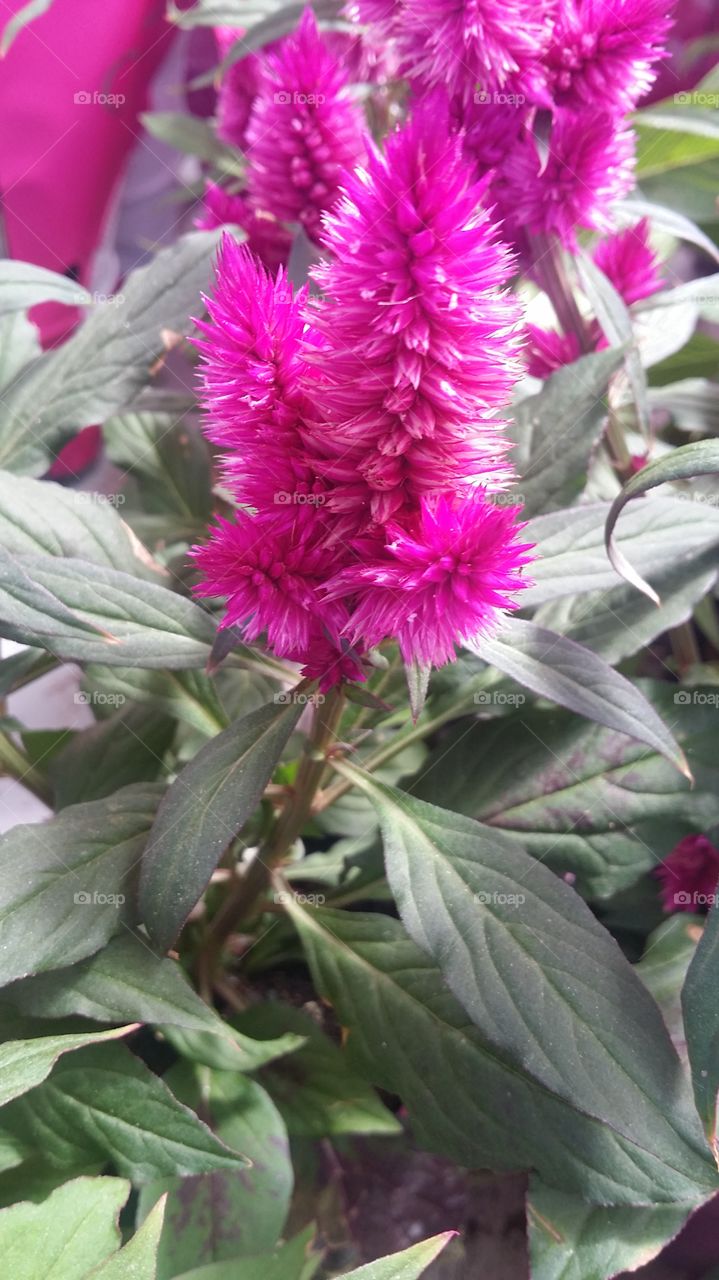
[(602, 52), (589, 165), (689, 875), (629, 261), (420, 340), (272, 572), (237, 91), (266, 237), (442, 578), (468, 45), (304, 130), (548, 350)]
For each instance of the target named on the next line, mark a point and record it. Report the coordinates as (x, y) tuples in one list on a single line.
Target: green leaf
[(288, 1262), (540, 978), (39, 517), (127, 748), (226, 1214), (66, 884), (617, 623), (701, 1024), (103, 1103), (698, 459), (557, 430), (22, 284), (169, 459), (189, 696), (26, 1063), (697, 359), (410, 1036), (567, 673), (571, 1240), (593, 804), (408, 1265), (127, 982), (138, 1259), (67, 1235), (663, 969), (204, 810), (616, 322), (19, 346), (669, 220), (571, 557), (316, 1092), (192, 136), (104, 364), (670, 138), (89, 613)]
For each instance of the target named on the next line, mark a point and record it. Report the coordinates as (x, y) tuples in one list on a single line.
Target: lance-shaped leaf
[(701, 1024), (567, 673), (571, 1240), (66, 886), (535, 971), (126, 981), (102, 1103), (89, 613), (25, 1063), (410, 1264), (410, 1036), (571, 555), (700, 459), (23, 284), (204, 810), (137, 1260), (108, 359), (287, 1262)]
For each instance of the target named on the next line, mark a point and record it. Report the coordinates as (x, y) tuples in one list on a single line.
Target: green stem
[(15, 764), (242, 901)]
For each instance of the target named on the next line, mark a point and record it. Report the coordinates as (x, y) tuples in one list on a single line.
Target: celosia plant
[(369, 897)]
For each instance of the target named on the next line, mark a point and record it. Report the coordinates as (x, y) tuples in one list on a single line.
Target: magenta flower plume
[(237, 90), (272, 572), (467, 45), (252, 368), (590, 165), (268, 239), (420, 341), (602, 52), (441, 579), (304, 130), (629, 261), (689, 875)]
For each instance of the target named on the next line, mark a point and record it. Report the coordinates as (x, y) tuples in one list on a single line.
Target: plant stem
[(15, 764), (242, 900)]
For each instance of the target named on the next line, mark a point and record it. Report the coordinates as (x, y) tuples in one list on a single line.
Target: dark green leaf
[(104, 1103), (129, 747), (66, 1236), (204, 810), (698, 459), (67, 884), (567, 673), (26, 1063), (701, 1024), (168, 457)]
